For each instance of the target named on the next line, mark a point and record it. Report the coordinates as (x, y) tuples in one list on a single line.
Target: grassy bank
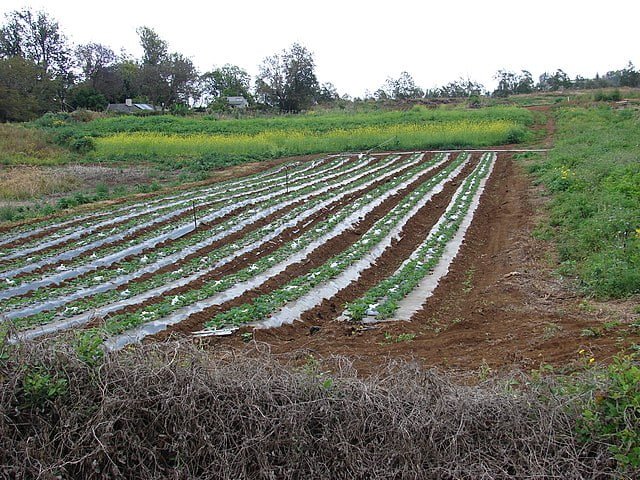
[(593, 175), (28, 146)]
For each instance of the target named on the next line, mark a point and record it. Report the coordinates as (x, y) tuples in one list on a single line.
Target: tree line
[(40, 71)]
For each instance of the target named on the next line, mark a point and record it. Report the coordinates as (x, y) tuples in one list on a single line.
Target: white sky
[(358, 44)]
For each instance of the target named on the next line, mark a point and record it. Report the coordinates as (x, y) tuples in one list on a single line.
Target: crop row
[(73, 221), (83, 259), (143, 291), (267, 304), (225, 204), (214, 258), (382, 300)]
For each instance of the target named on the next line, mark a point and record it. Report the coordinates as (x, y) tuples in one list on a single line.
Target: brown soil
[(500, 306)]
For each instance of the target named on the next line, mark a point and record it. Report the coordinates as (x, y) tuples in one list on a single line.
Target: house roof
[(237, 101), (134, 108)]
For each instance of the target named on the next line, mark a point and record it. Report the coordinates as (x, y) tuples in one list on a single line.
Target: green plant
[(613, 414), (401, 337), (40, 387), (467, 283), (551, 329), (484, 370), (593, 176), (88, 347), (82, 144), (591, 332), (608, 96)]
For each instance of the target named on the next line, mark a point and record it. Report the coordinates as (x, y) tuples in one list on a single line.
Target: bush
[(82, 144), (608, 96), (613, 414)]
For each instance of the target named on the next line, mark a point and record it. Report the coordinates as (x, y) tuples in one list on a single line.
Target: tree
[(23, 95), (558, 80), (626, 77), (226, 81), (164, 78), (287, 80), (94, 59), (327, 93), (38, 41), (87, 97), (35, 37), (510, 83), (460, 88), (402, 88), (154, 49), (181, 77)]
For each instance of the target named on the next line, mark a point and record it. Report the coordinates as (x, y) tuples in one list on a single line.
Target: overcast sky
[(358, 44)]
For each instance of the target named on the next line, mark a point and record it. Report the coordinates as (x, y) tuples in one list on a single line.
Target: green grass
[(280, 143), (593, 174), (205, 142)]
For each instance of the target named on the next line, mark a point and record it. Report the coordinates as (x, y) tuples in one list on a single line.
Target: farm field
[(329, 250), (76, 159), (188, 258)]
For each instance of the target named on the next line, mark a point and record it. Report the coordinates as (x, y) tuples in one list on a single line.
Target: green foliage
[(607, 96), (204, 143), (82, 144), (594, 177), (401, 337), (613, 414), (87, 97), (88, 347), (179, 109), (41, 387)]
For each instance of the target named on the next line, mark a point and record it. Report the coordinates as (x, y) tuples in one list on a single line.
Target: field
[(187, 258), (474, 261)]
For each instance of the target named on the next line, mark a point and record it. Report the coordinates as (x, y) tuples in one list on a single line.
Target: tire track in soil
[(424, 219), (51, 267), (286, 236)]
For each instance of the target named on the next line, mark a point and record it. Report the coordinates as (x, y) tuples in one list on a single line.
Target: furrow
[(65, 256)]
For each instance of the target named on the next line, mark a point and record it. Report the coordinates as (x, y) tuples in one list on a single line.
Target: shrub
[(82, 144), (608, 96), (613, 414)]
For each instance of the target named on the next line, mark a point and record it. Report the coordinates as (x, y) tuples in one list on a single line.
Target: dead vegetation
[(30, 182), (174, 411), (22, 146)]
